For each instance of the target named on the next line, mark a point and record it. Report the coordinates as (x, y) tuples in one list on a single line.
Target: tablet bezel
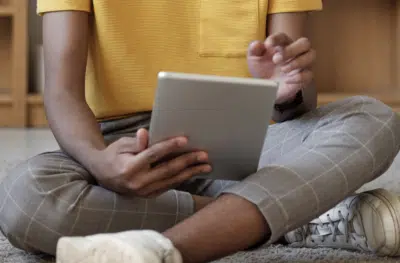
[(167, 106)]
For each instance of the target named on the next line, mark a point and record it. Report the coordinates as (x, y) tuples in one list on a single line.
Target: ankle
[(201, 201)]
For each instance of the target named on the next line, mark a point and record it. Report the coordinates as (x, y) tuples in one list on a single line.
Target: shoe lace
[(313, 229)]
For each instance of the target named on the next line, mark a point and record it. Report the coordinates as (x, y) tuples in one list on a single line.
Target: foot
[(132, 246), (368, 222)]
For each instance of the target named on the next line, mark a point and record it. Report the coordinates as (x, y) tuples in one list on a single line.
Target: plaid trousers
[(308, 165)]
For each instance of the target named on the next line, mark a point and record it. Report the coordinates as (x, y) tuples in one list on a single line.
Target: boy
[(101, 60)]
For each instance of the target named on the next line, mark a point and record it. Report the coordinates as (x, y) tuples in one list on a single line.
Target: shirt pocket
[(227, 27)]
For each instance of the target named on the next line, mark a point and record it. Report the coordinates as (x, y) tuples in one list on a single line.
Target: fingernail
[(277, 58), (268, 43), (286, 68), (182, 142), (202, 157), (254, 43), (207, 169)]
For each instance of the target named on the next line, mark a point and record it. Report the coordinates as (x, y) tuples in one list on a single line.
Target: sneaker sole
[(393, 203)]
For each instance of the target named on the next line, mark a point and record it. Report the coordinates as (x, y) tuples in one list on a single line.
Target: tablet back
[(224, 116)]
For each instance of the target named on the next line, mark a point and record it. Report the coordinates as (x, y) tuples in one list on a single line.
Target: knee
[(380, 122), (15, 193), (372, 112), (26, 209)]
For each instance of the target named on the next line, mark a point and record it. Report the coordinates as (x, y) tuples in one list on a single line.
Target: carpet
[(271, 254)]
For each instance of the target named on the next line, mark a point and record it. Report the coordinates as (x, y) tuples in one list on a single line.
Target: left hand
[(281, 59)]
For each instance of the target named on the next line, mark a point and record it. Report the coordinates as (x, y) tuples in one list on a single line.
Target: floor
[(17, 145)]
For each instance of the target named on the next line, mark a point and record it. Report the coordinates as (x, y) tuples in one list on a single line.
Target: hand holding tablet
[(227, 117)]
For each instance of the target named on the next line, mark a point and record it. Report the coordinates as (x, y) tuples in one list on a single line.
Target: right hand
[(125, 166)]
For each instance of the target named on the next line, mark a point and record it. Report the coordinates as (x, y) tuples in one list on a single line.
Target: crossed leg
[(309, 165)]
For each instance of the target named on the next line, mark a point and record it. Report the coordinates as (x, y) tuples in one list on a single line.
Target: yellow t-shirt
[(131, 41)]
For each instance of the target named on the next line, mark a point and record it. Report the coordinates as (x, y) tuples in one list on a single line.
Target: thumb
[(126, 145), (142, 136), (257, 49), (133, 145)]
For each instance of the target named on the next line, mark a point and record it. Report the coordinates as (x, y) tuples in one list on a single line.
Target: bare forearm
[(65, 41), (74, 126), (294, 25)]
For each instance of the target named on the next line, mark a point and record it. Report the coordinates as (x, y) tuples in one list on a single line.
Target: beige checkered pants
[(307, 166)]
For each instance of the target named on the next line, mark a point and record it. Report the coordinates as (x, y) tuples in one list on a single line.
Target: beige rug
[(272, 254)]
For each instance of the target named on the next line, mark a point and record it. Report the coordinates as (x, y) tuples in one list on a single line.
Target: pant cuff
[(268, 206), (185, 204)]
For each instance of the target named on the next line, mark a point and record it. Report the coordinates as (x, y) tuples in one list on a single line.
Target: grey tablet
[(227, 117)]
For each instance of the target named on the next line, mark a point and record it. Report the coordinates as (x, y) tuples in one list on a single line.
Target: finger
[(276, 40), (159, 187), (305, 60), (160, 150), (256, 49), (300, 46), (142, 136), (174, 166), (127, 145), (303, 77)]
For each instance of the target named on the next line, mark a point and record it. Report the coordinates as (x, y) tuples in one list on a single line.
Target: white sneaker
[(368, 222), (143, 246)]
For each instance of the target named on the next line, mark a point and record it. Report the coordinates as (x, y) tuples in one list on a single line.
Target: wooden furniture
[(358, 50), (357, 43), (13, 63)]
